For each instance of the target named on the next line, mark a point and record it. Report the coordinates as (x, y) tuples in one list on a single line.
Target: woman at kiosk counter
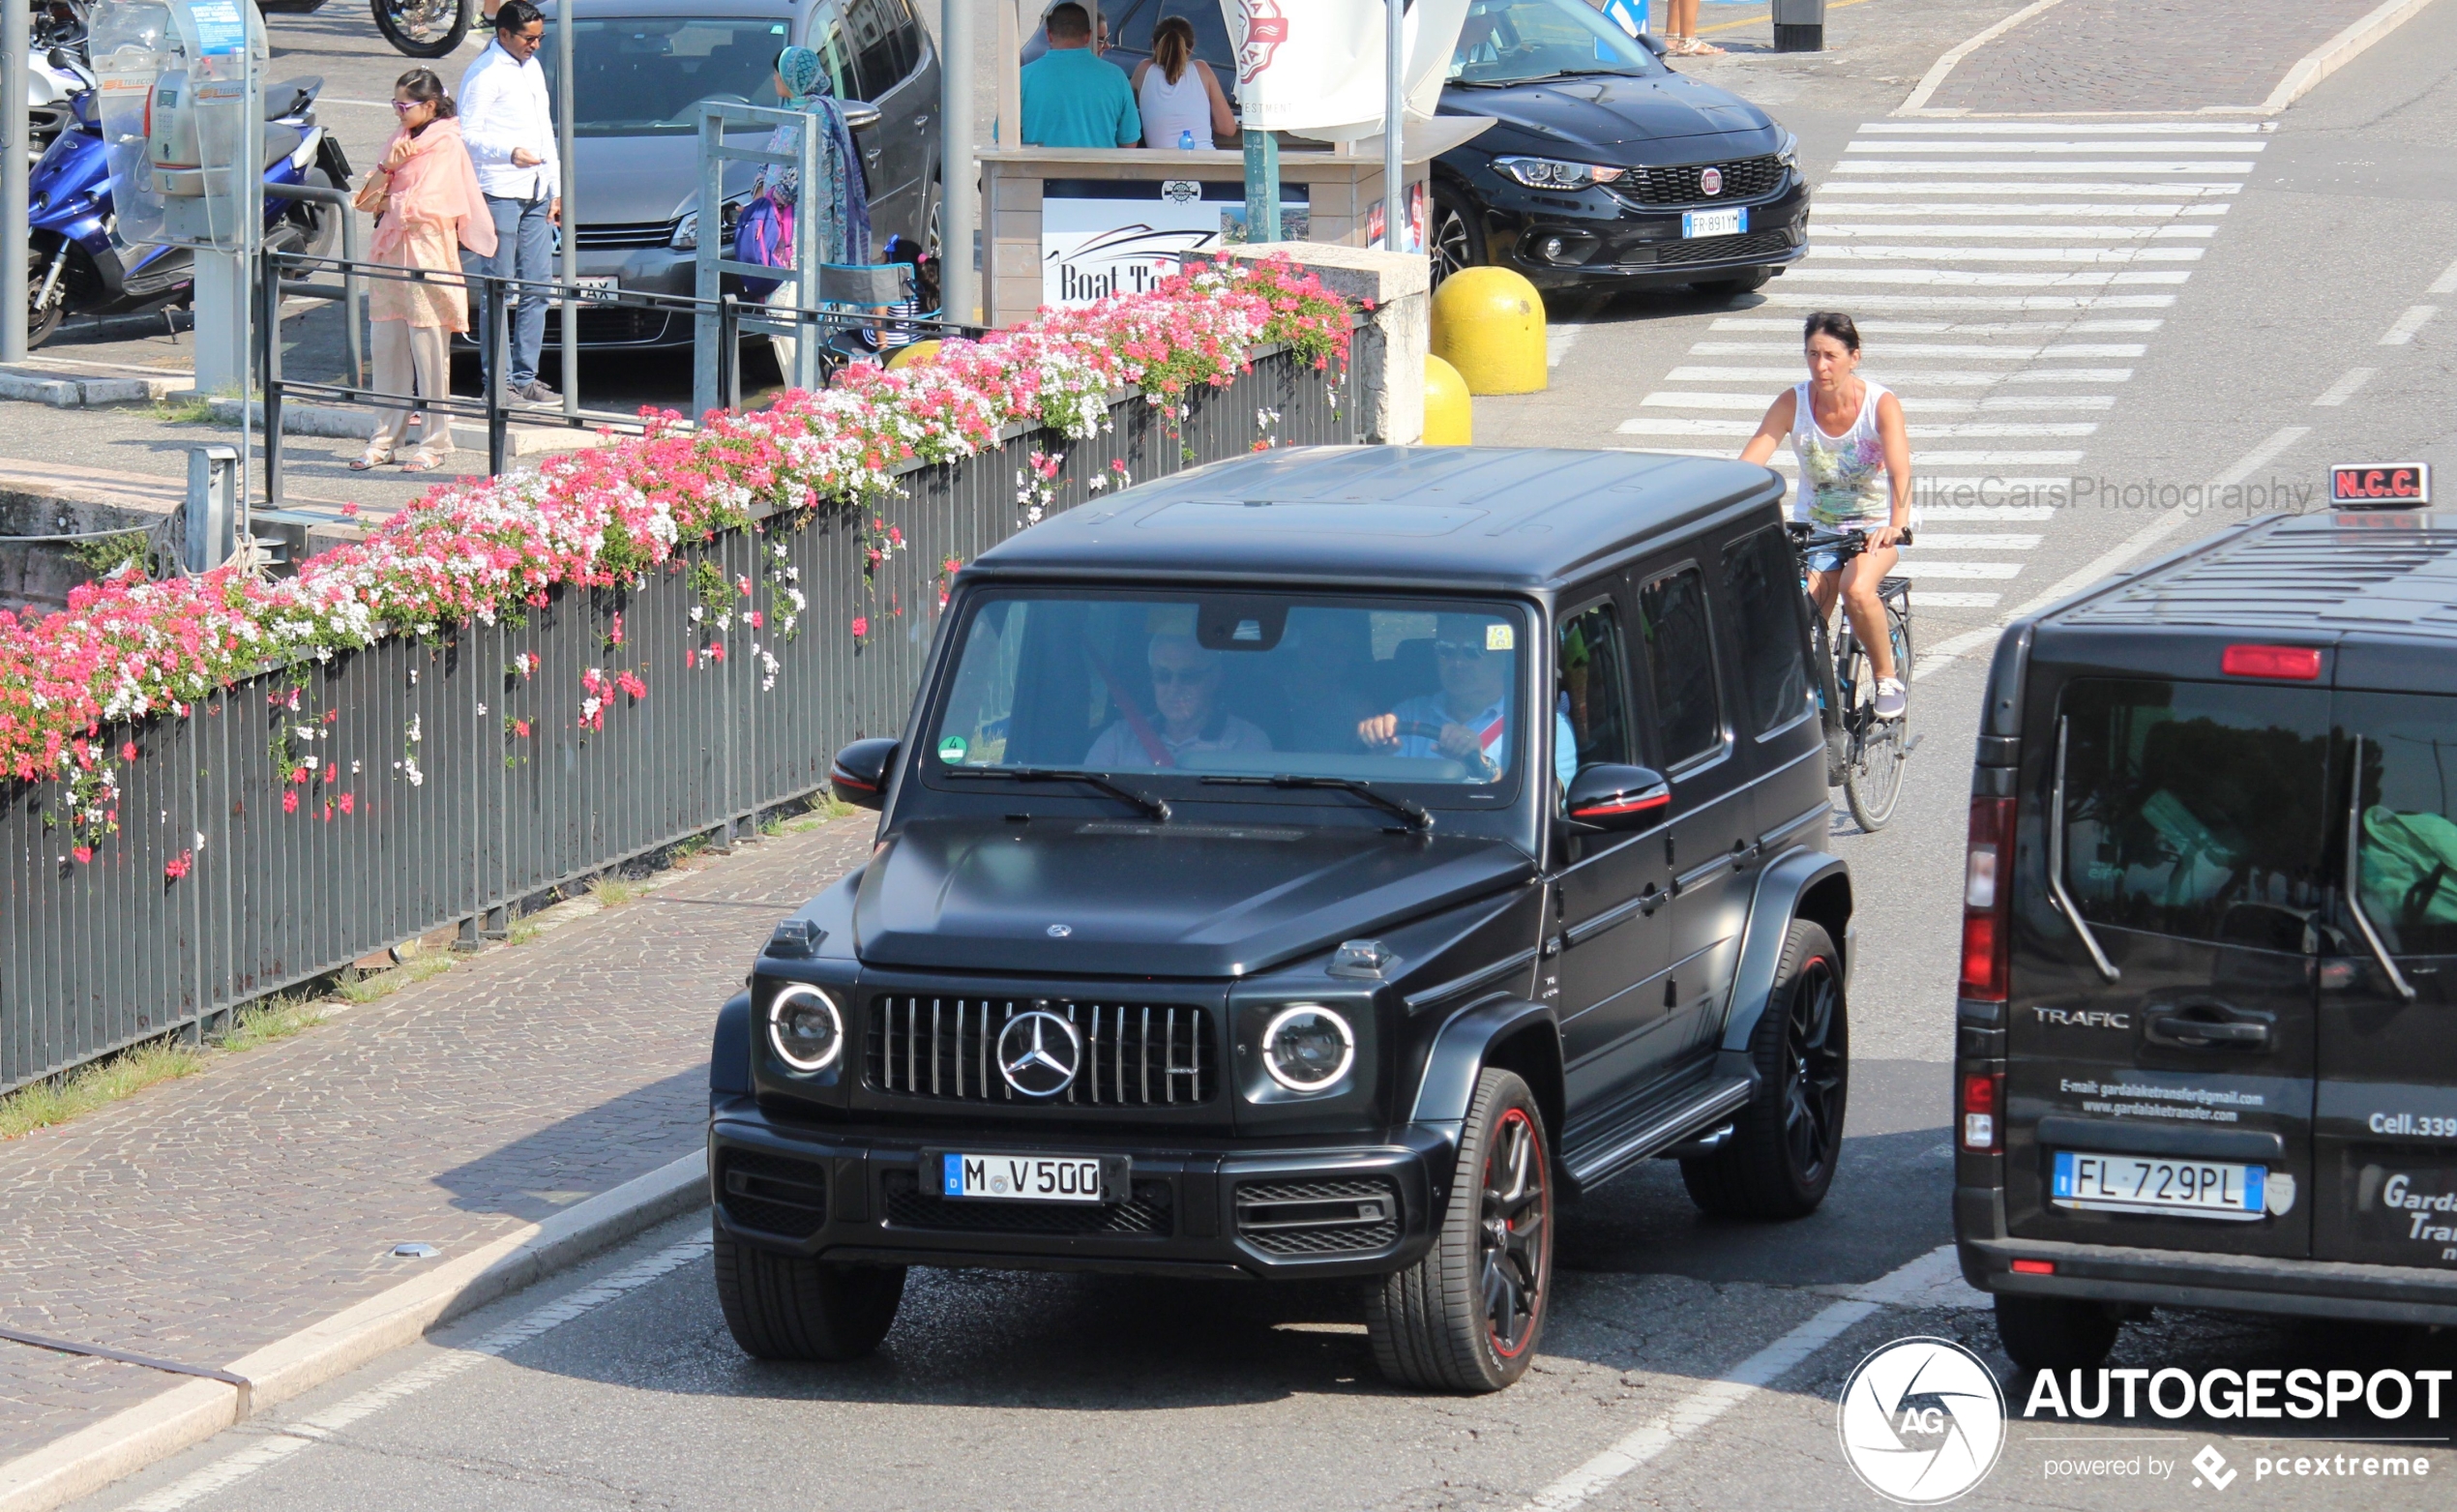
[(1178, 94)]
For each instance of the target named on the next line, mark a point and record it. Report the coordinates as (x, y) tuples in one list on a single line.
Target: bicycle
[(1864, 754)]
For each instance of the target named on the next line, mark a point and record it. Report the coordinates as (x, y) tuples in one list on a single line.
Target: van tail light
[(2034, 1268), (1983, 1099), (1987, 902), (2295, 663)]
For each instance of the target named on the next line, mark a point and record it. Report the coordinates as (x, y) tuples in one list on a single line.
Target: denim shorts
[(1826, 559)]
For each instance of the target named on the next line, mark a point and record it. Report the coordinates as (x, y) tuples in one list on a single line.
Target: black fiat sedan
[(1603, 166)]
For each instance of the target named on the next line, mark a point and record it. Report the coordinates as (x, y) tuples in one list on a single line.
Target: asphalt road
[(618, 1384)]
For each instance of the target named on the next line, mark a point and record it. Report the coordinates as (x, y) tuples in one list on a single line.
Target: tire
[(425, 28), (41, 324), (2054, 1333), (1454, 240), (782, 1307), (1469, 1315), (1873, 774), (1784, 1144), (1734, 287)]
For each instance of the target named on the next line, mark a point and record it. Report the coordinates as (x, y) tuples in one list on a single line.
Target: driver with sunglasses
[(1472, 710)]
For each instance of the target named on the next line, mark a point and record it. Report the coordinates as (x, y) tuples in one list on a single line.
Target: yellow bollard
[(1449, 414), (1489, 324), (913, 356)]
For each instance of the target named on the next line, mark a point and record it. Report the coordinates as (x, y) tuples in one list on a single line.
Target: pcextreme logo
[(1922, 1421)]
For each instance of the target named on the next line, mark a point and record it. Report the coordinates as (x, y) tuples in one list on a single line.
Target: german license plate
[(1714, 223), (2158, 1184), (596, 289), (1023, 1178)]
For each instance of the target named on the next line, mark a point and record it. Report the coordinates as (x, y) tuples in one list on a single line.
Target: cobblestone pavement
[(2160, 55), (209, 1217)]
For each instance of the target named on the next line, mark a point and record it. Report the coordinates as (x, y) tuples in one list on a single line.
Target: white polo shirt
[(504, 105)]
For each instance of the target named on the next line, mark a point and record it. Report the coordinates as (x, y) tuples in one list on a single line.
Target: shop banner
[(1104, 236)]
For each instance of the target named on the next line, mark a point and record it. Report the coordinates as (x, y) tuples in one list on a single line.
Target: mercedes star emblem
[(1039, 1054), (1060, 931), (1710, 181)]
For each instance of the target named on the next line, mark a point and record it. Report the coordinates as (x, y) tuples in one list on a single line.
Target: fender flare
[(729, 1050), (1781, 888), (1461, 1049)]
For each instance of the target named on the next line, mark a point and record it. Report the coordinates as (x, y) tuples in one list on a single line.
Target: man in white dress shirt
[(509, 126)]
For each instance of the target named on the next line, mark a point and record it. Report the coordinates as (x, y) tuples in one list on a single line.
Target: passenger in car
[(1467, 721), (1327, 652), (1186, 693)]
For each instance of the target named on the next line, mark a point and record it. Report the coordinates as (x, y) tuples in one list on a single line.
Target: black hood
[(1180, 900), (1660, 118)]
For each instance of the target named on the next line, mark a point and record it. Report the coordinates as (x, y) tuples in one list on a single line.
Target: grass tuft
[(274, 1017), (611, 892), (62, 1098), (184, 412)]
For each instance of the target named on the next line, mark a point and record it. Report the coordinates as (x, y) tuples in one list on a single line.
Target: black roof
[(2305, 575), (1463, 516)]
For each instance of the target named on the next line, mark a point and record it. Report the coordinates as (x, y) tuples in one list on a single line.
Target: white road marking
[(1958, 513), (1912, 403), (1938, 327), (1994, 402), (1898, 349), (1959, 571), (1827, 230), (1557, 341), (2113, 188), (2414, 320), (1906, 377), (2055, 146), (1921, 462), (1959, 278), (2445, 283), (288, 1438), (1857, 252), (2026, 165), (1934, 599), (1949, 431), (1784, 299), (1699, 1410), (2066, 127), (1972, 541), (2338, 393), (2019, 207)]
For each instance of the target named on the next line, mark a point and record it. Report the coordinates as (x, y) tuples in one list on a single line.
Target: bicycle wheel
[(1873, 775), (424, 28)]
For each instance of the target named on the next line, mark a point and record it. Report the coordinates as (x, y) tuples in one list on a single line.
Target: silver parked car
[(643, 66)]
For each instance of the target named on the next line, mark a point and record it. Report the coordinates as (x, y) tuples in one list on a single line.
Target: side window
[(1679, 647), (1594, 692), (2407, 847), (824, 35), (2197, 809), (1764, 583), (875, 30)]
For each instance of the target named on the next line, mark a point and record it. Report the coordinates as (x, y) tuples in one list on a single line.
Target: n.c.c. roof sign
[(2379, 485)]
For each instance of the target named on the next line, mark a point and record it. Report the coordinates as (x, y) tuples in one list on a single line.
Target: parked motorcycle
[(56, 69), (425, 28), (76, 265)]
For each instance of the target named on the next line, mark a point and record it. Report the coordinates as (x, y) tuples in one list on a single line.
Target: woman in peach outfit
[(428, 194)]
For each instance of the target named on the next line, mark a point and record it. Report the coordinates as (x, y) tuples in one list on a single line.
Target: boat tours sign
[(1101, 237)]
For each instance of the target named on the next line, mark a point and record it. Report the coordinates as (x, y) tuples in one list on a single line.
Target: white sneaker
[(1893, 701)]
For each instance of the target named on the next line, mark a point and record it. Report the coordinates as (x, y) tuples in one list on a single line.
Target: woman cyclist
[(1855, 474)]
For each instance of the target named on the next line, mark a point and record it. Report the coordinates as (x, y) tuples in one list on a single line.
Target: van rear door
[(2160, 1050), (2386, 1133)]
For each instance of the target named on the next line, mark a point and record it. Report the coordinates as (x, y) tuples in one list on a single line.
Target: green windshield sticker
[(952, 749)]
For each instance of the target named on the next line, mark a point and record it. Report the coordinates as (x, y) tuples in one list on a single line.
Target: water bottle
[(1186, 142)]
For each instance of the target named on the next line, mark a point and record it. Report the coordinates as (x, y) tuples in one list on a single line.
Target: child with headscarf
[(428, 204), (845, 214)]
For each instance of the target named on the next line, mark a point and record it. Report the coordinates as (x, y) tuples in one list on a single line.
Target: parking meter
[(175, 76)]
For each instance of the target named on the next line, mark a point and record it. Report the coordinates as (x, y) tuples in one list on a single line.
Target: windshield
[(1512, 42), (646, 74), (1380, 691)]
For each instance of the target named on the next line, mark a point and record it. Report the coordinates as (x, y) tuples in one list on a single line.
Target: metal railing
[(472, 781), (289, 274)]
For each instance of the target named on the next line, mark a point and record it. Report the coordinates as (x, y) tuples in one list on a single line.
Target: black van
[(1312, 865), (2207, 1042)]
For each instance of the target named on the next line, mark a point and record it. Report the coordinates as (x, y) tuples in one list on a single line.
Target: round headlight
[(1307, 1049), (804, 1028)]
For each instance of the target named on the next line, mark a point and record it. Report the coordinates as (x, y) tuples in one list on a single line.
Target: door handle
[(1742, 853), (1651, 900), (2192, 1033)]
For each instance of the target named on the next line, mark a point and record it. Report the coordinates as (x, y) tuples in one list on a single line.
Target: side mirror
[(1619, 798), (860, 116), (1651, 42), (858, 775)]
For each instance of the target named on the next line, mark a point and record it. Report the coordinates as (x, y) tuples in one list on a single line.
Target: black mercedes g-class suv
[(1313, 864), (2207, 1026)]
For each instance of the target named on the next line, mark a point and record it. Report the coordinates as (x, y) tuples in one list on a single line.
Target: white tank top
[(1170, 109), (1844, 484)]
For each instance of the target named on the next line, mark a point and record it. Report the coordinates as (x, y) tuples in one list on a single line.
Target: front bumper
[(1198, 1207), (2183, 1278), (1607, 240)]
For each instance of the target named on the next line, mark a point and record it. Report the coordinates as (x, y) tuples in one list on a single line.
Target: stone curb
[(2339, 51), (358, 424), (65, 391), (188, 1415)]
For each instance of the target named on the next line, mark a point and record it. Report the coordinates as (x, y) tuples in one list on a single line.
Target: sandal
[(422, 461), (1703, 49), (369, 459)]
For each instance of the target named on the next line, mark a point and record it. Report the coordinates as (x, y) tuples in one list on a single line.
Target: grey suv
[(644, 66), (1311, 865)]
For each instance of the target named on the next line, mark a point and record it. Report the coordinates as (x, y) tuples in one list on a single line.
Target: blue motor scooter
[(77, 266)]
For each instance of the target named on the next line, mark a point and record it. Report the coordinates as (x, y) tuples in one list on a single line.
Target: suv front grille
[(775, 1194), (1148, 1212), (1744, 179), (617, 234), (1134, 1055), (1319, 1217)]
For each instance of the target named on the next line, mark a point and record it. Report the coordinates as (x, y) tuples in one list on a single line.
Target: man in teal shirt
[(1070, 98)]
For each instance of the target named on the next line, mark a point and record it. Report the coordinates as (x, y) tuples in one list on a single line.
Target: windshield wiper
[(1157, 808), (1419, 819), (1539, 78)]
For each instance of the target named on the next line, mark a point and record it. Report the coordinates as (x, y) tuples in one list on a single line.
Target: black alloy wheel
[(425, 28), (1469, 1315), (1780, 1156), (2054, 1333), (44, 309), (1454, 243)]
